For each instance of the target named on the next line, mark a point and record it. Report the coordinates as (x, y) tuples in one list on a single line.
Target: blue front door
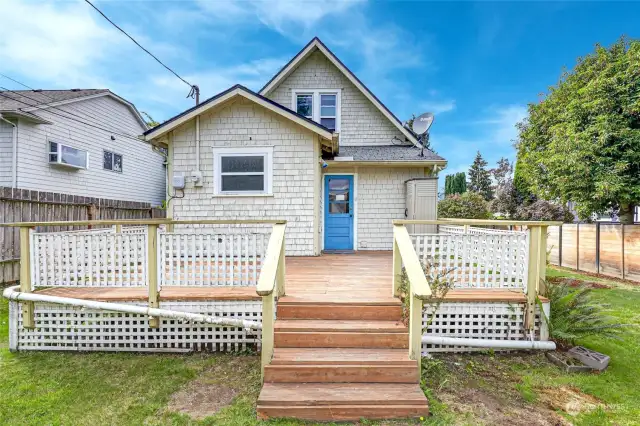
[(338, 212)]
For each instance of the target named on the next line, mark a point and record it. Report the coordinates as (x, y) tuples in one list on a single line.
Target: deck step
[(367, 326), (338, 373), (341, 401), (331, 339), (343, 356), (343, 311)]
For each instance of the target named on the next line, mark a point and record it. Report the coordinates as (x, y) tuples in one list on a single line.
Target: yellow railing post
[(152, 272), (397, 265), (280, 275), (533, 273), (268, 319), (415, 327), (28, 320), (118, 228), (542, 264)]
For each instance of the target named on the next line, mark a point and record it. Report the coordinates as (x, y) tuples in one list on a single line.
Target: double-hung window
[(243, 171), (321, 106), (112, 161)]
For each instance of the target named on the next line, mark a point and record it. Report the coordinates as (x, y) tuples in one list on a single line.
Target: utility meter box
[(422, 203), (177, 182)]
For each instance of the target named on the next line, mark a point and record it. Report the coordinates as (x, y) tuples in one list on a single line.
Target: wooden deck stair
[(341, 361)]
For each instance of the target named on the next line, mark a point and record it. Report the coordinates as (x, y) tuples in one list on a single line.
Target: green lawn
[(132, 389)]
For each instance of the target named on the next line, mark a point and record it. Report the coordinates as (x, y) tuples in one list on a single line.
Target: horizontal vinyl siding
[(143, 176), (6, 158), (242, 123), (361, 122)]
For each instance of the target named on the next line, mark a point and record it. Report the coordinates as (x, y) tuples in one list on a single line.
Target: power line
[(195, 90), (85, 116), (64, 116)]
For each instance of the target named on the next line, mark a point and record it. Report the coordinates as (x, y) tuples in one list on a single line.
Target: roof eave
[(25, 116), (387, 163)]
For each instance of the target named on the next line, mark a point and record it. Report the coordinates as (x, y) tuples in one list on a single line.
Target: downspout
[(14, 153), (11, 294), (490, 343), (198, 143)]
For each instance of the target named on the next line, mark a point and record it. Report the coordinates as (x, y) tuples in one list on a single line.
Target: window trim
[(58, 152), (264, 151), (112, 161), (316, 108)]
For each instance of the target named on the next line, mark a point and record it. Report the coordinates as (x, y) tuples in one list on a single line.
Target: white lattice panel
[(476, 261), (477, 320), (66, 328), (99, 258), (206, 259)]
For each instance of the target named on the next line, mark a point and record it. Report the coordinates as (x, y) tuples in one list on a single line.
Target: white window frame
[(113, 161), (263, 151), (315, 109), (59, 162)]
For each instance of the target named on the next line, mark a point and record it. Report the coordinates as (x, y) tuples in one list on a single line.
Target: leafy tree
[(502, 173), (469, 205), (544, 210), (460, 183), (581, 143), (480, 178), (507, 200), (149, 120)]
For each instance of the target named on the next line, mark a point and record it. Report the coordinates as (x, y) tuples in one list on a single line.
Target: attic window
[(319, 105)]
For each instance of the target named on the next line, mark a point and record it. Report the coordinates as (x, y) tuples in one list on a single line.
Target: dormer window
[(321, 106)]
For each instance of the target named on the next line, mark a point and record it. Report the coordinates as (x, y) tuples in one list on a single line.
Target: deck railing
[(138, 253), (481, 259), (271, 287)]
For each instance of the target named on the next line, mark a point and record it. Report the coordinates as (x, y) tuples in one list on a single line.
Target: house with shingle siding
[(78, 142), (314, 146)]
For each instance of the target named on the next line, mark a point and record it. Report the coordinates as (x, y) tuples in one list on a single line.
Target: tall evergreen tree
[(460, 183), (480, 178), (447, 185)]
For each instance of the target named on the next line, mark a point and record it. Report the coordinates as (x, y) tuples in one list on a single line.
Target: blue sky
[(475, 65)]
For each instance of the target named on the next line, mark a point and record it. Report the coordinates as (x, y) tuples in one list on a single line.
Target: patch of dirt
[(200, 399), (217, 386), (572, 282), (489, 407), (569, 399)]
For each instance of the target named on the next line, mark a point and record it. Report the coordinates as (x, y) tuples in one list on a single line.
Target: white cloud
[(438, 107), (61, 41), (502, 123)]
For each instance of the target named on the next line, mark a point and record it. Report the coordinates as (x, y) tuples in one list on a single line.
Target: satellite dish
[(422, 123)]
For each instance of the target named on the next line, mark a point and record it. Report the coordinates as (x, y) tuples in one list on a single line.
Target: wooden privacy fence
[(23, 205), (610, 249)]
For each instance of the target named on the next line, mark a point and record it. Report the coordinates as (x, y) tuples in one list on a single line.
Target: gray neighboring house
[(80, 142)]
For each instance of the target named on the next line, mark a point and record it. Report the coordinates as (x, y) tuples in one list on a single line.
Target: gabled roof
[(317, 44), (237, 90), (401, 153), (29, 101)]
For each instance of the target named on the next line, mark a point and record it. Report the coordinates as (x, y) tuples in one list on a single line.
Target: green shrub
[(469, 205), (575, 315)]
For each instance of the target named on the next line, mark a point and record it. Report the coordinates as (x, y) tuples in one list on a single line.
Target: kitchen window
[(243, 171), (112, 161), (321, 106)]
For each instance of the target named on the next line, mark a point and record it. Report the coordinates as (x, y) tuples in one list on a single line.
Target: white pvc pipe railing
[(11, 294), (489, 343)]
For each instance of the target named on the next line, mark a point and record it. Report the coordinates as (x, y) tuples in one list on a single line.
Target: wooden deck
[(363, 278)]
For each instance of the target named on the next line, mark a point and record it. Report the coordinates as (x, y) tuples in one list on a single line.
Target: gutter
[(14, 153), (11, 294)]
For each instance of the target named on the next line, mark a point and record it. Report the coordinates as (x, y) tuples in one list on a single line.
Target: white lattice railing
[(197, 259), (450, 229), (92, 258), (476, 260)]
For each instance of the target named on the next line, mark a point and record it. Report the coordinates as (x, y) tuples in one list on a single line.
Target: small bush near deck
[(576, 315), (469, 205)]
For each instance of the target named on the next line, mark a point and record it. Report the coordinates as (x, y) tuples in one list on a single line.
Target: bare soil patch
[(216, 387), (487, 389), (572, 282)]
